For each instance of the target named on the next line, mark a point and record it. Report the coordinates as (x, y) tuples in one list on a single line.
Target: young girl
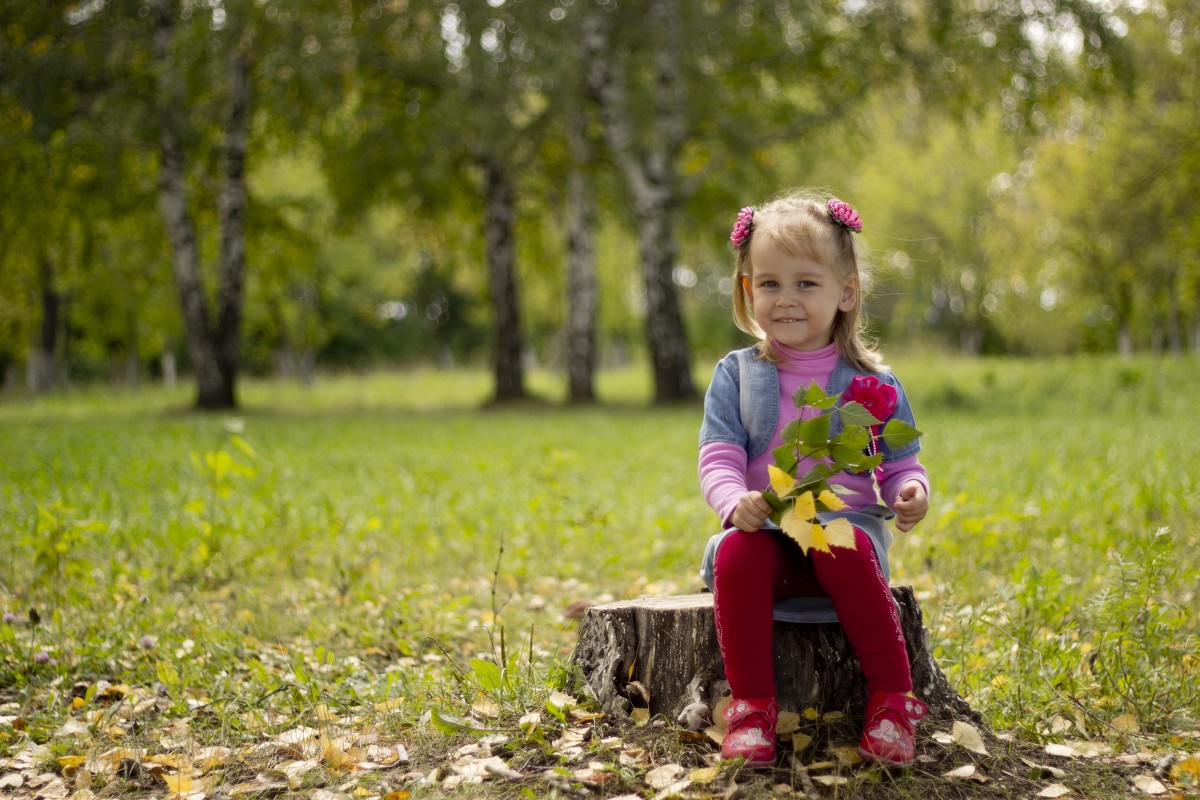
[(798, 288)]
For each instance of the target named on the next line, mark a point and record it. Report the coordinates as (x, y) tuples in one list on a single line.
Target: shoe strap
[(739, 710), (910, 707)]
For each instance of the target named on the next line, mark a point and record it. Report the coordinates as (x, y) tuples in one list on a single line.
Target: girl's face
[(795, 300)]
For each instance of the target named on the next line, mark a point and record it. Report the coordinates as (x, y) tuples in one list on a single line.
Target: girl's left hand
[(912, 503)]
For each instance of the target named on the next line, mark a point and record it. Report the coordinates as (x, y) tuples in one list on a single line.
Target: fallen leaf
[(56, 789), (800, 741), (846, 754), (640, 716), (966, 736), (486, 708), (674, 790), (1037, 770), (704, 775), (1149, 784), (664, 776), (788, 722), (561, 700), (965, 771), (12, 780), (831, 780), (1127, 723), (1054, 790), (1189, 766)]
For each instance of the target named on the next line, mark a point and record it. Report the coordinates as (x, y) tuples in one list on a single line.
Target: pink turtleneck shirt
[(725, 474)]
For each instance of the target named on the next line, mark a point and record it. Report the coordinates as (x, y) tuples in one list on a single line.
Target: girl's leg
[(752, 571), (868, 613)]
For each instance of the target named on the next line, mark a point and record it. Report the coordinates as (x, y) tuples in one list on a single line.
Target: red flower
[(874, 395)]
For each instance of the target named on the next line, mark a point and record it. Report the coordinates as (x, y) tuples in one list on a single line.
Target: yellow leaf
[(788, 722), (818, 540), (640, 716), (179, 784), (805, 506), (800, 529), (781, 482), (1127, 723), (840, 533), (832, 501), (71, 761), (1189, 766)]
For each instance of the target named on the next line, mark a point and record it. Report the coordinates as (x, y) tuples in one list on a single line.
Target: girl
[(797, 288)]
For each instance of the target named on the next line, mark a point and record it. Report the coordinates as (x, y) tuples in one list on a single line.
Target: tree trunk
[(41, 371), (646, 158), (213, 349), (668, 645), (499, 212), (582, 289)]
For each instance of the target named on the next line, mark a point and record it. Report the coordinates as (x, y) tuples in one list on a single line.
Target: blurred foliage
[(1026, 173)]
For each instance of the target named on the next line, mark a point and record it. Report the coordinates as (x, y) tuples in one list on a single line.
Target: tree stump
[(666, 648)]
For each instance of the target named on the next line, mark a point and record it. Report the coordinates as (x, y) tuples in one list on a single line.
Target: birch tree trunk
[(41, 368), (499, 212), (646, 159), (582, 290), (213, 348)]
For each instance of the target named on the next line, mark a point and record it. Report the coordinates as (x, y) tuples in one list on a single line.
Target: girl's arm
[(723, 477), (904, 488)]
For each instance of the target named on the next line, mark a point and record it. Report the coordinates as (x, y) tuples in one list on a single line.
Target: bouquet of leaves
[(796, 500)]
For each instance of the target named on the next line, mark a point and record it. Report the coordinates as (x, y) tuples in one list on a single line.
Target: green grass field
[(378, 538)]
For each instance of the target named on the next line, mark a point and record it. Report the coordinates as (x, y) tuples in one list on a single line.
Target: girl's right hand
[(751, 512)]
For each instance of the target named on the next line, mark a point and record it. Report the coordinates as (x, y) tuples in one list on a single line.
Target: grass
[(360, 551)]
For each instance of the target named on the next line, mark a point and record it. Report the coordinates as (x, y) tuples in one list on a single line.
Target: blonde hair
[(799, 222)]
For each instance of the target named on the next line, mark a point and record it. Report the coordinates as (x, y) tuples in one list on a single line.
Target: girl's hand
[(751, 512), (911, 505)]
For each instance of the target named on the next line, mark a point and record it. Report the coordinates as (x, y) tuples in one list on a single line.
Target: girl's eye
[(767, 285)]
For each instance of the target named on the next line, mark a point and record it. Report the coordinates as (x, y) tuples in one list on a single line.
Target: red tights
[(753, 570)]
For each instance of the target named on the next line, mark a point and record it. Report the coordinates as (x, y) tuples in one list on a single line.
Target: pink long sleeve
[(899, 473), (723, 477)]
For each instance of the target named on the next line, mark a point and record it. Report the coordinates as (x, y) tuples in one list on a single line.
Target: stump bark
[(666, 648)]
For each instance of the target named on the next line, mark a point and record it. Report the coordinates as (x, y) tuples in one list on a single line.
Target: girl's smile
[(795, 300)]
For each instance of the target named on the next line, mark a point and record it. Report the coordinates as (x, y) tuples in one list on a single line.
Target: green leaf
[(860, 462), (856, 414), (815, 396), (854, 436), (785, 458), (451, 726), (814, 433), (774, 502), (487, 675), (790, 431), (898, 433)]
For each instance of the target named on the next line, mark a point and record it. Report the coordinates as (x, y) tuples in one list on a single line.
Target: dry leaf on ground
[(1149, 784), (664, 776), (1054, 790), (967, 736)]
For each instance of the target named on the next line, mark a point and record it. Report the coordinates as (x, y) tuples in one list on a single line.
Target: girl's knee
[(745, 549)]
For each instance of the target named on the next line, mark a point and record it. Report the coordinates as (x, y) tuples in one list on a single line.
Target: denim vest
[(742, 407), (742, 404)]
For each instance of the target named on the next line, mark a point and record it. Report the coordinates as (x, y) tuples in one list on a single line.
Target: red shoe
[(750, 731), (889, 735)]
